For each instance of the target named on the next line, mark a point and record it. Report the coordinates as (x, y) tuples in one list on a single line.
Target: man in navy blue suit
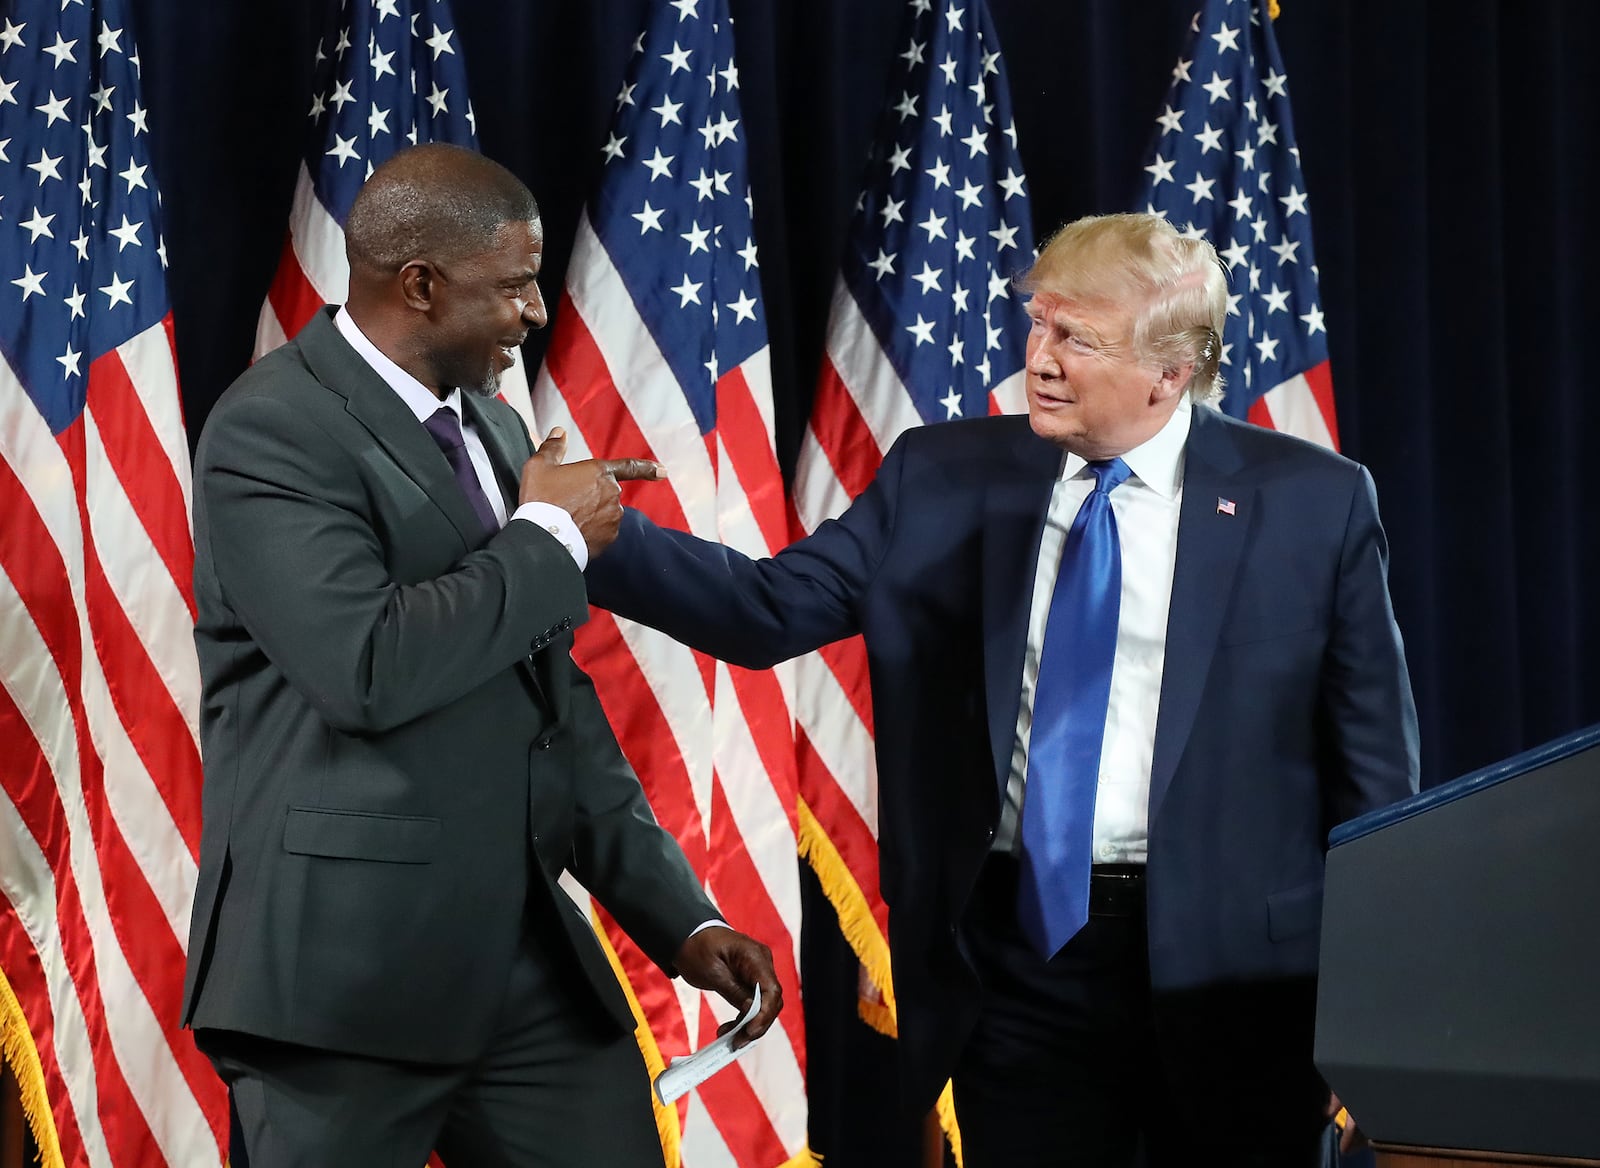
[(1131, 659)]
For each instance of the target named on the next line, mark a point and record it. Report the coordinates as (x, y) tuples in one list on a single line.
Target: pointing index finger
[(626, 469)]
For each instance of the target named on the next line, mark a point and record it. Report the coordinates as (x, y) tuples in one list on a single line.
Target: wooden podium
[(1458, 1009)]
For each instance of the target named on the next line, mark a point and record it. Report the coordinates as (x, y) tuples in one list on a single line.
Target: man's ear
[(418, 284), (1174, 380)]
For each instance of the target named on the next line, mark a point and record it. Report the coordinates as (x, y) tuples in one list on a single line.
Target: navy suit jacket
[(1285, 706)]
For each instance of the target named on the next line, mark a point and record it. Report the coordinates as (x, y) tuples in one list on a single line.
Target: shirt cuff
[(700, 928), (559, 524)]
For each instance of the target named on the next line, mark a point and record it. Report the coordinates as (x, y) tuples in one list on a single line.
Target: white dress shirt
[(420, 400), (1146, 508)]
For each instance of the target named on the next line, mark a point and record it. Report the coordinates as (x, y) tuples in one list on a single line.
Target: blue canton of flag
[(392, 77), (674, 200), (79, 212), (1226, 167), (943, 222)]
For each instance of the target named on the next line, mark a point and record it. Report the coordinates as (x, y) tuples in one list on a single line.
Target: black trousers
[(558, 1087), (1076, 1062)]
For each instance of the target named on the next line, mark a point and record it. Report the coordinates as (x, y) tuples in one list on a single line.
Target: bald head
[(434, 202)]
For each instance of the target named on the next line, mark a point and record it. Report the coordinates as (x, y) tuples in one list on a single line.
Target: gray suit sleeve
[(284, 511), (620, 853)]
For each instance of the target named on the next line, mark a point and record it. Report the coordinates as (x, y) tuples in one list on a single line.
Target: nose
[(1040, 363), (534, 311)]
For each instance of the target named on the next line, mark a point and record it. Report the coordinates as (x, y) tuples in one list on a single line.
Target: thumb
[(554, 447)]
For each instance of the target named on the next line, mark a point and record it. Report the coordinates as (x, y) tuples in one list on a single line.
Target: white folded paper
[(685, 1074)]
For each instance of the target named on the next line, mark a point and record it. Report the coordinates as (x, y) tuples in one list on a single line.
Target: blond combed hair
[(1175, 285)]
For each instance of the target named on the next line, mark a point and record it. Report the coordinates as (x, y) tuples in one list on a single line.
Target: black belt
[(1116, 890)]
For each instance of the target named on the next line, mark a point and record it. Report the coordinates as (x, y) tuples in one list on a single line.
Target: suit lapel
[(1210, 543), (371, 402), (1014, 515), (395, 428)]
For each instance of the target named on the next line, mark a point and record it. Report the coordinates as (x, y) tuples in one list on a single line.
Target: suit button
[(542, 744)]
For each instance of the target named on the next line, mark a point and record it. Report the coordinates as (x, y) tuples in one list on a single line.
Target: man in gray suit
[(400, 755)]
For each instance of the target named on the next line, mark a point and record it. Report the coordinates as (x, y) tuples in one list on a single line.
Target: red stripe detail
[(848, 662), (738, 1111), (136, 456), (26, 975), (994, 406), (1320, 378), (578, 369), (29, 785), (744, 437), (842, 432), (847, 831), (154, 954), (641, 730), (154, 725), (294, 301), (1259, 415), (766, 713), (733, 874)]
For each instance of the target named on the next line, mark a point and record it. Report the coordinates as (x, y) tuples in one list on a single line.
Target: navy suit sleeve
[(1366, 691), (753, 613)]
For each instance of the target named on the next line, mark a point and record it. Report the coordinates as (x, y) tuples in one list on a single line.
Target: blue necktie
[(445, 429), (1069, 720)]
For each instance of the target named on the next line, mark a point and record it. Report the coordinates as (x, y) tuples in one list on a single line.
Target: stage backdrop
[(1451, 166)]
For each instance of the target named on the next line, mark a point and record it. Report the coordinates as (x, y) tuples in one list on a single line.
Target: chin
[(1051, 427)]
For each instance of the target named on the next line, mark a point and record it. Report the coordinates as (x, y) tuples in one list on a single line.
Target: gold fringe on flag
[(666, 1114), (855, 918), (871, 947), (1273, 9), (22, 1056)]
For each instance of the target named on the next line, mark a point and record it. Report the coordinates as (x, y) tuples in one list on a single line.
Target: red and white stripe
[(314, 271), (100, 780), (1302, 406), (712, 744)]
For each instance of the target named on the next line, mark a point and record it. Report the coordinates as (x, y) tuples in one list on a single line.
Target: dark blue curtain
[(1451, 173)]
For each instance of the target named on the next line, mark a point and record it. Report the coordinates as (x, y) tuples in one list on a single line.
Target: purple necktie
[(445, 428), (1069, 721)]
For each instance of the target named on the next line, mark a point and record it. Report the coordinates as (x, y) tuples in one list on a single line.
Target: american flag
[(660, 349), (99, 687), (924, 327), (389, 74), (1226, 167)]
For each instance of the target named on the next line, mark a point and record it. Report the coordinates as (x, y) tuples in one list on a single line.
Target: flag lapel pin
[(1225, 506)]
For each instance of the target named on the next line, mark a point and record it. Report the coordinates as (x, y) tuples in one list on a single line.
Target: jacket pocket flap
[(1294, 911), (360, 835)]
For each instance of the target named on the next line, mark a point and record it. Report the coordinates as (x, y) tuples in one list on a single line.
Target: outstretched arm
[(753, 613)]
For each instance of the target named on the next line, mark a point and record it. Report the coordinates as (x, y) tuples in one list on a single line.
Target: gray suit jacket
[(400, 755)]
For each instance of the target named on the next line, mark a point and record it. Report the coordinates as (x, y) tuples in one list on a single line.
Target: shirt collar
[(419, 399), (1157, 462)]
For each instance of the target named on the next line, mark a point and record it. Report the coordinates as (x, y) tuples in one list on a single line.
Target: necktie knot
[(445, 429), (1109, 474)]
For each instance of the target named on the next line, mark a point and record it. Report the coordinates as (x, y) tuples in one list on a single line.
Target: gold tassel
[(862, 932), (22, 1056), (666, 1114)]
